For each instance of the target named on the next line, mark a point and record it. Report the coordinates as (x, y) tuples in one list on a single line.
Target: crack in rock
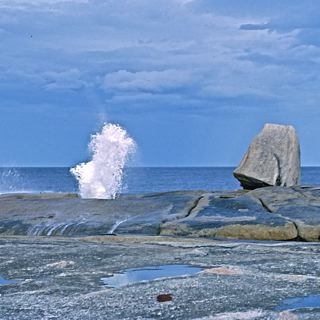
[(199, 204)]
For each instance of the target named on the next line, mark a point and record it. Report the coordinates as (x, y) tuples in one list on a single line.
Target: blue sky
[(192, 81)]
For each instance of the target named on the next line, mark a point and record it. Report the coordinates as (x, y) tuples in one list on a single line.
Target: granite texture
[(272, 159), (60, 278)]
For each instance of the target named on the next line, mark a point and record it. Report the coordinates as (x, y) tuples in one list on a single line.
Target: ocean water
[(135, 180)]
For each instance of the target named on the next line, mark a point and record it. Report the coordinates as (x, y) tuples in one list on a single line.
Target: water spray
[(101, 178)]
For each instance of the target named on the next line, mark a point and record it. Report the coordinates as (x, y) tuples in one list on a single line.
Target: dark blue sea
[(136, 180)]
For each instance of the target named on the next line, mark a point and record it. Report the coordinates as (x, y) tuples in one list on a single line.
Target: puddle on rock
[(150, 273), (311, 301), (4, 281)]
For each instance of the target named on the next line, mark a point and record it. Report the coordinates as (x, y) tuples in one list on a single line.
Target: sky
[(192, 81)]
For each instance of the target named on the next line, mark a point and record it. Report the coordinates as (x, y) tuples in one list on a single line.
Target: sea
[(136, 180)]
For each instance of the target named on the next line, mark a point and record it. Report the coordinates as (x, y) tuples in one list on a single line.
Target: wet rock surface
[(272, 159), (69, 215), (270, 213), (60, 278)]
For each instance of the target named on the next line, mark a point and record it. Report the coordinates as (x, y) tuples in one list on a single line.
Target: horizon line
[(142, 167)]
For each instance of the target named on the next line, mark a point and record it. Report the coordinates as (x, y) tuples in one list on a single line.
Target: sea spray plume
[(101, 178)]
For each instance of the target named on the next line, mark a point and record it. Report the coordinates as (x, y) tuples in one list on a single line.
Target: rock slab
[(272, 159), (270, 213), (60, 214), (240, 217)]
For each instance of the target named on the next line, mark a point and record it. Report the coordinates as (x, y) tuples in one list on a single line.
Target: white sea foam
[(10, 180), (101, 178)]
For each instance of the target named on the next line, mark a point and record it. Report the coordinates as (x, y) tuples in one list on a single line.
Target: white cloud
[(154, 81), (68, 79)]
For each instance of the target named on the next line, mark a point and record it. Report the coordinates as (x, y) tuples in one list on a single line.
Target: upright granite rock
[(272, 159)]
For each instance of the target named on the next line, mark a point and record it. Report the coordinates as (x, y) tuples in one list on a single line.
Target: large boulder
[(272, 159)]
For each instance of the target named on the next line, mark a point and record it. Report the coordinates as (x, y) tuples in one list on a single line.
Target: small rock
[(164, 297)]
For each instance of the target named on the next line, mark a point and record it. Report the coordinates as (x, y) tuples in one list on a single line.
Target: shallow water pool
[(311, 301), (149, 273), (4, 281)]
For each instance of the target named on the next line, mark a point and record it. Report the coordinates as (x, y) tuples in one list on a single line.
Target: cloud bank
[(199, 57), (125, 46)]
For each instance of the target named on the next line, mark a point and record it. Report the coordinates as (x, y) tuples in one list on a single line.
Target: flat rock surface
[(60, 278), (67, 214), (270, 213)]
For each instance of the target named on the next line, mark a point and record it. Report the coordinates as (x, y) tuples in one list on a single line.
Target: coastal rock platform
[(173, 255), (67, 278), (270, 213)]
